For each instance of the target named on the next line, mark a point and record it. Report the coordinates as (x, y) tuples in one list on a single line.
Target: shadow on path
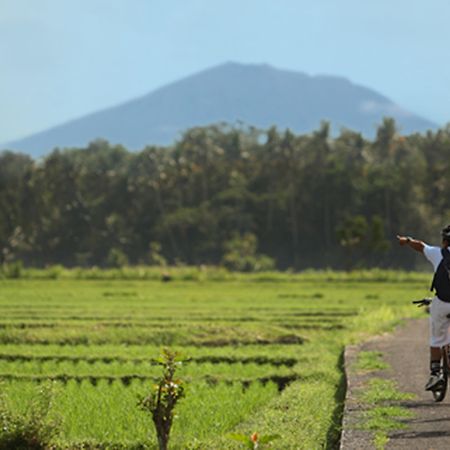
[(422, 434)]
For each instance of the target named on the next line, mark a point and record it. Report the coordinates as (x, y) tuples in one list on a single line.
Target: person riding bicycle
[(439, 309)]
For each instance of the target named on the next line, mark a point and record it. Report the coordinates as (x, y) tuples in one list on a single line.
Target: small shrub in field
[(155, 256), (117, 258), (161, 402), (13, 269), (240, 255), (54, 272), (33, 430)]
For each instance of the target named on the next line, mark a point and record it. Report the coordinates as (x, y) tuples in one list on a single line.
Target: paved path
[(406, 351)]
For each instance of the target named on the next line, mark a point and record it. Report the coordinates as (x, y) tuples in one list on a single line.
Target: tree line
[(238, 196)]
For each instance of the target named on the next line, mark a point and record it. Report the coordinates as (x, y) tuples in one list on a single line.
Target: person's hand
[(403, 240)]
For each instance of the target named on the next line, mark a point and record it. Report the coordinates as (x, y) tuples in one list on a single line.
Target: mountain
[(258, 95)]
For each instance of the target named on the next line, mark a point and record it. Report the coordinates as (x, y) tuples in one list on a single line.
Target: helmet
[(445, 233)]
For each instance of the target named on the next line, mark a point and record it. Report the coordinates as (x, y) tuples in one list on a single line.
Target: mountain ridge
[(256, 94)]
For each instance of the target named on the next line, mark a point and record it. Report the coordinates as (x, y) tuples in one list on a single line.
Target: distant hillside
[(258, 95)]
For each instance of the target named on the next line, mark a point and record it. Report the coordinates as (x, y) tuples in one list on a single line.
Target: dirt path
[(406, 351)]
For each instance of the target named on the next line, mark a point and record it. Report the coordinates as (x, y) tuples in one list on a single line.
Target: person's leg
[(438, 338), (440, 335), (435, 359), (435, 353)]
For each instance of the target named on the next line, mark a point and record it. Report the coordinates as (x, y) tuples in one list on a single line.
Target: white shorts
[(439, 323)]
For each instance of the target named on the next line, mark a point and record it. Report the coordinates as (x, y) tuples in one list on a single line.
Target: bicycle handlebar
[(423, 302)]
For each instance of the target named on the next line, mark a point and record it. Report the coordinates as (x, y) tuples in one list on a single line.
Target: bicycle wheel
[(439, 393)]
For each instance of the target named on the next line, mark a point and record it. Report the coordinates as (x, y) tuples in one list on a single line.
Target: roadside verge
[(386, 406)]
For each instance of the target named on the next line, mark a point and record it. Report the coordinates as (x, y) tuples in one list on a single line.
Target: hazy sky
[(61, 59)]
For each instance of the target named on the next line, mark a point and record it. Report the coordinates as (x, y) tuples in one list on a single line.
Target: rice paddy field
[(261, 354)]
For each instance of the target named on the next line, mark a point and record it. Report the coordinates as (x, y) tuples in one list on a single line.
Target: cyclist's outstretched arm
[(415, 244)]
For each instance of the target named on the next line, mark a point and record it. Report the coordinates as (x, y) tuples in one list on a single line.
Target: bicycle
[(441, 388)]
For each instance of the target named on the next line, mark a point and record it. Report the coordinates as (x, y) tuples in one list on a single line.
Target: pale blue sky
[(61, 59)]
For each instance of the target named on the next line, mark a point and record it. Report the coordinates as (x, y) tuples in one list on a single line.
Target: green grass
[(383, 414), (379, 391), (114, 416), (380, 440), (370, 361), (385, 418), (265, 349), (213, 273)]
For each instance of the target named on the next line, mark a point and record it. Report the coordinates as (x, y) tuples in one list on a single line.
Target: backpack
[(441, 278)]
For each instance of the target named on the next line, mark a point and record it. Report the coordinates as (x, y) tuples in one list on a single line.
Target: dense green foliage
[(262, 356), (228, 196)]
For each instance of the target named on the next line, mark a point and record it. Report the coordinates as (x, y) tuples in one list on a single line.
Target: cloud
[(385, 108)]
